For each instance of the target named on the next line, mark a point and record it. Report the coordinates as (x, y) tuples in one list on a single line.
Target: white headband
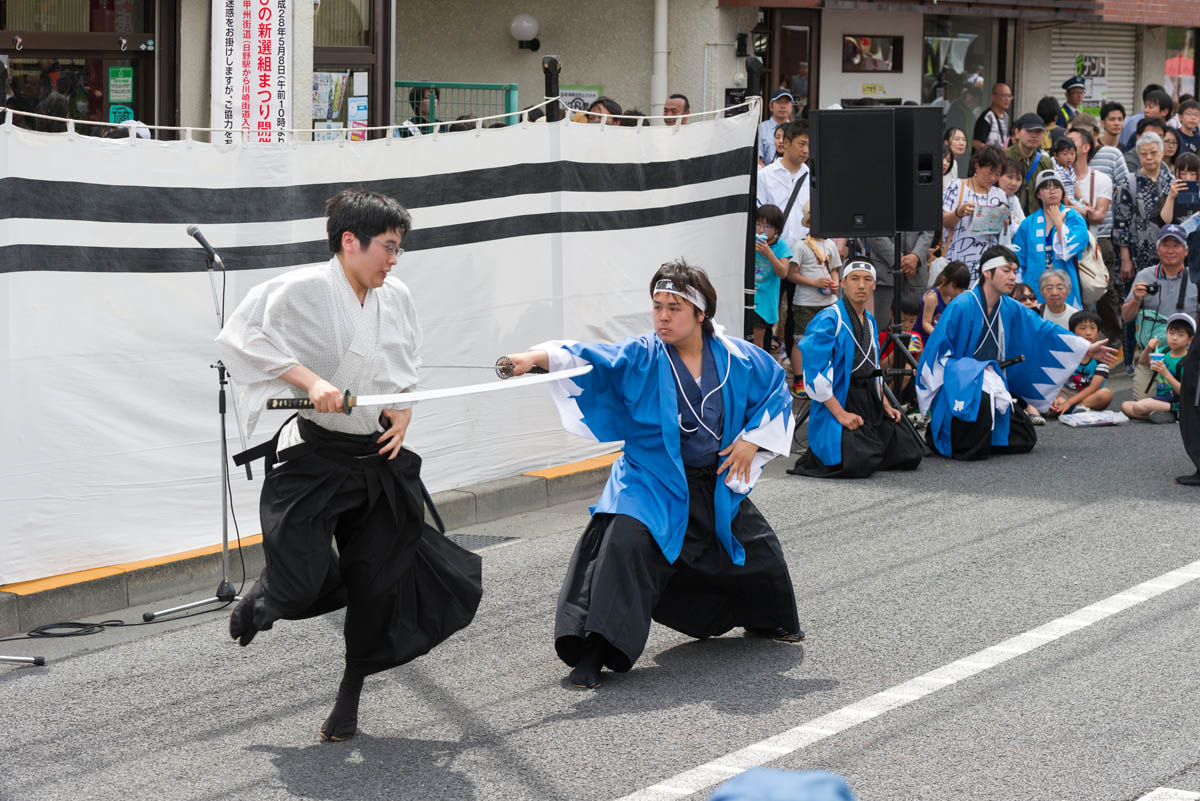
[(993, 263), (690, 294), (859, 267)]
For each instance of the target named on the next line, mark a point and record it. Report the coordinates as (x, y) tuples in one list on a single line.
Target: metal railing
[(423, 104)]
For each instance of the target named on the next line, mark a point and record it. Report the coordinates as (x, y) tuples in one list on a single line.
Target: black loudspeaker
[(918, 132), (853, 172)]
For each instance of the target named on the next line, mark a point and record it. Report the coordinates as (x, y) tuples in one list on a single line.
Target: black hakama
[(1189, 411), (878, 444), (619, 580), (404, 585), (971, 441)]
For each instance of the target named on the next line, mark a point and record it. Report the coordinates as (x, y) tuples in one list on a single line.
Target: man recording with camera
[(1158, 292)]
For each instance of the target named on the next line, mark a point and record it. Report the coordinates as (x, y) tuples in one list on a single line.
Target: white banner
[(251, 59), (521, 234)]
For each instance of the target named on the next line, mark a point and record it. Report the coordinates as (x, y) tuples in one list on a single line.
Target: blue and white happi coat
[(830, 353), (951, 380), (1030, 245), (630, 395)]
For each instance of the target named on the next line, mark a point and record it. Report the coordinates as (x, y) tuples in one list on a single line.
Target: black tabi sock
[(342, 722), (586, 674)]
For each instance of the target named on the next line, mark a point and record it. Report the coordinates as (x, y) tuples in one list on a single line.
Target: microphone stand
[(225, 593)]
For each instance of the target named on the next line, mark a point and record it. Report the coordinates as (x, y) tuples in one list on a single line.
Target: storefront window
[(1180, 69), (343, 23), (957, 54)]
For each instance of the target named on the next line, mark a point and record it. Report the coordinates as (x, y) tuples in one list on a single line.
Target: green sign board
[(120, 84), (119, 113)]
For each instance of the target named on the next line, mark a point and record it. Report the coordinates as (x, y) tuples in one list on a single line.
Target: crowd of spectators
[(1102, 210)]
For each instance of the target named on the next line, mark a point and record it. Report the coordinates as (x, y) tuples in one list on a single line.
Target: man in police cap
[(1074, 87)]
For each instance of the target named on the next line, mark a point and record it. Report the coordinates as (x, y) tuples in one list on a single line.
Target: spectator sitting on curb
[(1085, 388), (1166, 362), (1026, 296), (1055, 287)]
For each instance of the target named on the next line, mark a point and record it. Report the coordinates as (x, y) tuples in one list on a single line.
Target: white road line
[(712, 773), (1167, 794)]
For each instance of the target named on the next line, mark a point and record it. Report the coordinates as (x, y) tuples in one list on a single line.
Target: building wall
[(195, 58), (609, 44), (834, 85), (702, 38)]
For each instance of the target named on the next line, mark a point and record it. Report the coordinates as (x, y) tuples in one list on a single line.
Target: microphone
[(194, 232)]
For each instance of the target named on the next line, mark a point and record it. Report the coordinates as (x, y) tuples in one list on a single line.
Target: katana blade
[(349, 401)]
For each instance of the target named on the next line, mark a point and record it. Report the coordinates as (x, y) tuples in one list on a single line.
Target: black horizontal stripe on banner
[(71, 200), (78, 258)]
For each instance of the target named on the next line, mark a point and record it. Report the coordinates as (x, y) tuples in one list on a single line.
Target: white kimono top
[(312, 317)]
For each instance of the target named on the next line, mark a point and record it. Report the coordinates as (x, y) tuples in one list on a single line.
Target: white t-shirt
[(1062, 318), (806, 258), (1103, 189), (965, 246), (775, 184)]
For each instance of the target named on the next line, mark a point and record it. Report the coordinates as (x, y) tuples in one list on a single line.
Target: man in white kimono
[(317, 332)]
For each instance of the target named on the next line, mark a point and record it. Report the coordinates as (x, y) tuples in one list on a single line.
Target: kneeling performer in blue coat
[(853, 429), (963, 382), (673, 537)]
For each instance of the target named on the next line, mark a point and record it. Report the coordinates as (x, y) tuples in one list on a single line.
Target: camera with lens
[(1152, 287)]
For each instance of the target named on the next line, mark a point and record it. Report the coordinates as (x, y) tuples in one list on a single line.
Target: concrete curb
[(88, 593)]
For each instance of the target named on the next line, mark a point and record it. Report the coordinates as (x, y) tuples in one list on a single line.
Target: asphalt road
[(896, 576)]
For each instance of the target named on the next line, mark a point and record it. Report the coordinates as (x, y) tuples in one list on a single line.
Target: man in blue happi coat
[(853, 429), (673, 537), (961, 383)]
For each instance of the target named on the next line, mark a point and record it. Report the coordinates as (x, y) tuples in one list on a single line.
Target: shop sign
[(578, 97), (120, 84), (251, 63), (1093, 68), (873, 89)]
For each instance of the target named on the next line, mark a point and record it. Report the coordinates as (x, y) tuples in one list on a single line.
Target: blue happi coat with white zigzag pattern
[(1051, 354)]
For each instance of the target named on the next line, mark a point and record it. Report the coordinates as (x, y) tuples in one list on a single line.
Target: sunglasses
[(1026, 297)]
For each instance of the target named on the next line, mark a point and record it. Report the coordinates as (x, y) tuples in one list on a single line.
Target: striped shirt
[(1111, 162)]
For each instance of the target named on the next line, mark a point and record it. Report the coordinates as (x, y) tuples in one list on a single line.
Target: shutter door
[(1117, 42)]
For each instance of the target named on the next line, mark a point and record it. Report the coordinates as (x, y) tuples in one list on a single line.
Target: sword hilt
[(504, 368), (348, 403)]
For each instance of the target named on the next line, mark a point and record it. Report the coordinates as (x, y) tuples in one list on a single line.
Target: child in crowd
[(1085, 388), (1064, 154), (1167, 363), (1189, 120), (1024, 294), (951, 282), (770, 264), (814, 270), (1010, 181)]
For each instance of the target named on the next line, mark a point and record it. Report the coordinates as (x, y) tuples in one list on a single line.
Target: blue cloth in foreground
[(830, 353), (949, 373), (769, 784), (630, 395)]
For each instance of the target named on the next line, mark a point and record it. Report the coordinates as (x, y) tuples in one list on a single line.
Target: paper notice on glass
[(988, 220), (327, 131)]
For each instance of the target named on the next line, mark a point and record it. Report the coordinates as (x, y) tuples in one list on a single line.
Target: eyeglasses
[(391, 249), (1024, 298)]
